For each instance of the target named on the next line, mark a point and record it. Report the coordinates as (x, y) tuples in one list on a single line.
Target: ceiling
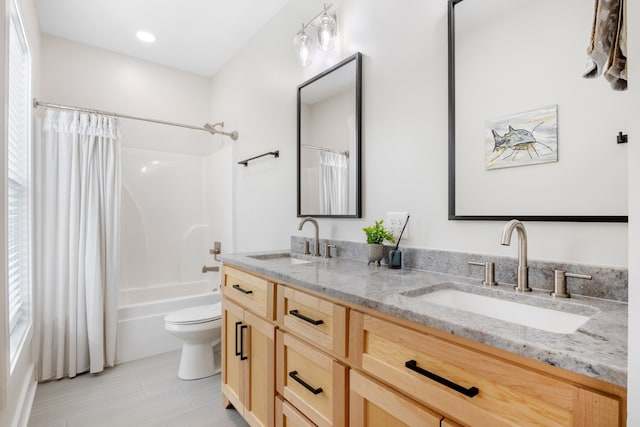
[(198, 36)]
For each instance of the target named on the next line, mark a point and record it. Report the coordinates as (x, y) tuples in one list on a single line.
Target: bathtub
[(141, 314)]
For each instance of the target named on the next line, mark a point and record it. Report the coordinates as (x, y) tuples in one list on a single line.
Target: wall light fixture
[(326, 33)]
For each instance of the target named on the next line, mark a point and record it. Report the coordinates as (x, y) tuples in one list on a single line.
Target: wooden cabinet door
[(259, 371), (372, 404), (248, 366), (232, 318)]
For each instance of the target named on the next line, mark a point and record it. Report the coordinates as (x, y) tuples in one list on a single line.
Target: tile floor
[(144, 392)]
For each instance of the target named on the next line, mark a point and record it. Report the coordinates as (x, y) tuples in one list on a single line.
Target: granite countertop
[(596, 349)]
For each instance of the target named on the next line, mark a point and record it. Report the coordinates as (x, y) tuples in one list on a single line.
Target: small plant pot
[(375, 252)]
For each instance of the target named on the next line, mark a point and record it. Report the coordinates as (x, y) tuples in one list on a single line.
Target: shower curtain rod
[(211, 128), (314, 147)]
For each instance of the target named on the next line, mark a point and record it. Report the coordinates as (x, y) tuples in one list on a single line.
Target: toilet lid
[(191, 315)]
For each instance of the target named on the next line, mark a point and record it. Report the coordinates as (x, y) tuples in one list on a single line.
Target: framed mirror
[(529, 137), (329, 141)]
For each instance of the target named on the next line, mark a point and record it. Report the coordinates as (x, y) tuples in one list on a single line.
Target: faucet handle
[(327, 250), (560, 282), (489, 272), (305, 245)]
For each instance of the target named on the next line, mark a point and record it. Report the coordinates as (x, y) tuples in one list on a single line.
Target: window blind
[(18, 184)]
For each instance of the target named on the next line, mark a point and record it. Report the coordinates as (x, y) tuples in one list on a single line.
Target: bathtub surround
[(77, 243), (610, 283), (168, 249)]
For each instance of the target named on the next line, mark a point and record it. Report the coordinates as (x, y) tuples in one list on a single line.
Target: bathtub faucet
[(206, 269), (215, 252)]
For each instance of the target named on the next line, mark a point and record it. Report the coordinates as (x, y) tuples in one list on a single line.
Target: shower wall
[(165, 233)]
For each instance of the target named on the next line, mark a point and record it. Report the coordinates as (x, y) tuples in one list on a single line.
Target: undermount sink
[(280, 257), (546, 319)]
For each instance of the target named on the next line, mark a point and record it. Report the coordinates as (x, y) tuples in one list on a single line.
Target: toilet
[(199, 330)]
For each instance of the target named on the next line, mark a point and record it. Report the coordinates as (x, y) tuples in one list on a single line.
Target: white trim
[(27, 397), (27, 327), (4, 315)]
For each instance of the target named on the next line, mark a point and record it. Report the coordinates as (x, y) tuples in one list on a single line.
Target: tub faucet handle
[(216, 250)]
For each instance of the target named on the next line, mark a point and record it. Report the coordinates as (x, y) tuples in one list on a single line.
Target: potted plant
[(376, 234)]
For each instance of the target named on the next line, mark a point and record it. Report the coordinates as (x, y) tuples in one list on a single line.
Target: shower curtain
[(333, 183), (77, 229)]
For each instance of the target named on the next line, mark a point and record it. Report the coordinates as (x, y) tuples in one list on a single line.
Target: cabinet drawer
[(311, 381), (314, 319), (372, 404), (252, 292), (473, 387), (288, 416)]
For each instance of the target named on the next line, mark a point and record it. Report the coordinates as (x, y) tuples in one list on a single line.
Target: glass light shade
[(326, 32), (303, 48)]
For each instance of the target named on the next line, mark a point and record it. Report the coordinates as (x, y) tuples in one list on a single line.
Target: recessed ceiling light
[(146, 36)]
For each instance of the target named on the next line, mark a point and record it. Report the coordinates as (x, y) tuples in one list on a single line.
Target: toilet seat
[(194, 315)]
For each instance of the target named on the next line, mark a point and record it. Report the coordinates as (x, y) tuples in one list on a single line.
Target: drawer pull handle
[(238, 335), (242, 356), (469, 392), (305, 318), (244, 291), (294, 375)]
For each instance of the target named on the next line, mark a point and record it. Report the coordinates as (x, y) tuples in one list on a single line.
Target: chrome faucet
[(316, 245), (523, 269)]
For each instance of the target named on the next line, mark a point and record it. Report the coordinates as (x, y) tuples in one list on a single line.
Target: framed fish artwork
[(521, 139)]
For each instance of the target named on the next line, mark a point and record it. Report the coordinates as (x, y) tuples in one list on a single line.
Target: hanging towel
[(608, 46), (616, 71)]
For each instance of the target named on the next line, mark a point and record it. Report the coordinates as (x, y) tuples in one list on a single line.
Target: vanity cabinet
[(248, 348), (294, 357), (470, 386)]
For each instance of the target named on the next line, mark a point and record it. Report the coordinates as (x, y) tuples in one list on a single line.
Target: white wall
[(84, 76), (633, 381), (17, 388), (404, 136)]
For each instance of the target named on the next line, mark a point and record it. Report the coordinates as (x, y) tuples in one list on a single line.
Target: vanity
[(308, 341)]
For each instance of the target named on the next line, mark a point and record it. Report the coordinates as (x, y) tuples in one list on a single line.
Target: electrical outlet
[(394, 223)]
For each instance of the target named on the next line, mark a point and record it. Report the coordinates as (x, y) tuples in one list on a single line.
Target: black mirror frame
[(357, 57), (452, 154)]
